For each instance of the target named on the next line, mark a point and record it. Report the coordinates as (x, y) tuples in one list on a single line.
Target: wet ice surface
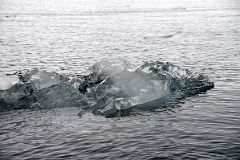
[(109, 88), (70, 37)]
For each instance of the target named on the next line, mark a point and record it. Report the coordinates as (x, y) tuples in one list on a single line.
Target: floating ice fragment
[(109, 88)]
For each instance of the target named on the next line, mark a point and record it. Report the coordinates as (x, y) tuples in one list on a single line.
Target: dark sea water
[(70, 36)]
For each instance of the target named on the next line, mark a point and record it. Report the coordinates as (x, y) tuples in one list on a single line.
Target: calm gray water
[(68, 36)]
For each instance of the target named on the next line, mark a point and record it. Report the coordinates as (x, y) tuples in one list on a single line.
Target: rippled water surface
[(69, 36)]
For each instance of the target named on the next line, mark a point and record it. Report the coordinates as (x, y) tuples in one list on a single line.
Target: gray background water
[(69, 36)]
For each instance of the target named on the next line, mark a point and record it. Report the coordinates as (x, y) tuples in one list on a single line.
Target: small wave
[(158, 37), (109, 88)]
